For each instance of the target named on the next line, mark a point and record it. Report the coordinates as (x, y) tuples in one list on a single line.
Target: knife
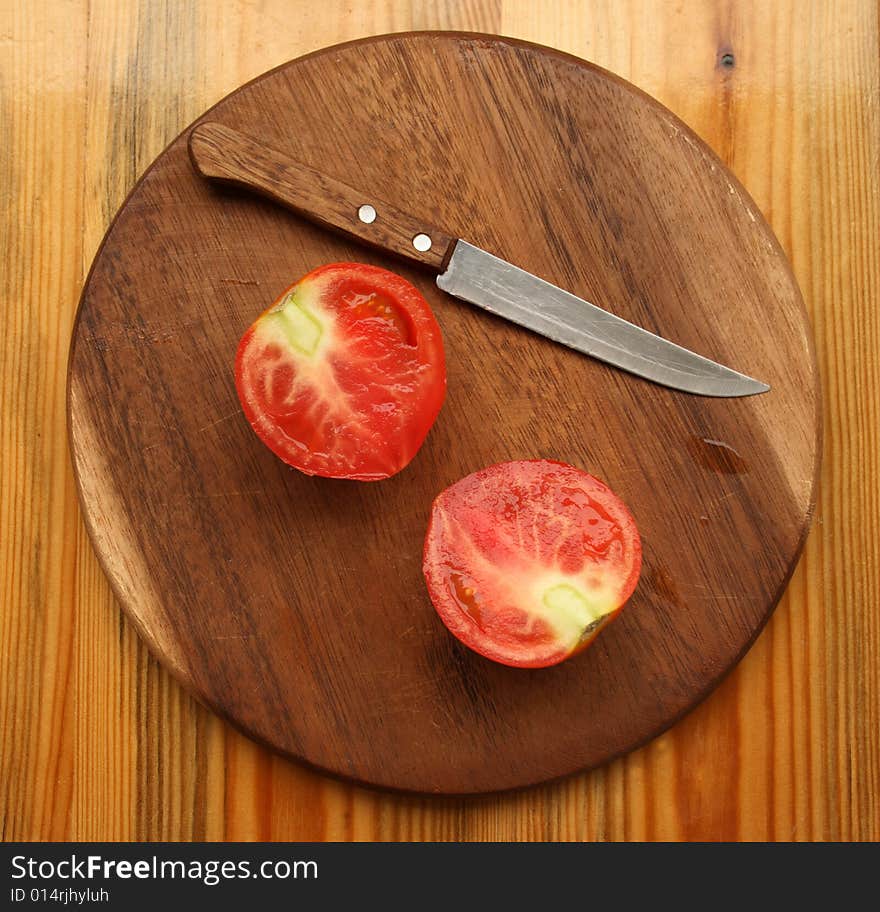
[(221, 153)]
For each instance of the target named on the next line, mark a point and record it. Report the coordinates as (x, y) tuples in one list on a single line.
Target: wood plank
[(43, 173), (793, 120)]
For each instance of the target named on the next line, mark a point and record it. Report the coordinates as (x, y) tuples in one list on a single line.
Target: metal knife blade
[(506, 290)]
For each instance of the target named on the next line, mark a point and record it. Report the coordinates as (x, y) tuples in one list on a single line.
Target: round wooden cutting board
[(295, 606)]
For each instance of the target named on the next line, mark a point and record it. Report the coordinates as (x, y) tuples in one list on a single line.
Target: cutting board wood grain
[(295, 606)]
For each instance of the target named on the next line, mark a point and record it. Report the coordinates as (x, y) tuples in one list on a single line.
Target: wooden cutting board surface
[(295, 606)]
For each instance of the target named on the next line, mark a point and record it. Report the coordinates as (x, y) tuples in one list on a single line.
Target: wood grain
[(295, 606), (235, 159), (97, 742)]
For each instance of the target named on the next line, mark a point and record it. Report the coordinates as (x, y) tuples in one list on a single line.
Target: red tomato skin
[(437, 561), (394, 438)]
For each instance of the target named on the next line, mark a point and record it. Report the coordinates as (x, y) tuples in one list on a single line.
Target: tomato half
[(345, 374), (527, 561)]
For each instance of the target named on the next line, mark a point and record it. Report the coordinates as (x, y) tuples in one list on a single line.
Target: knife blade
[(510, 292), (221, 153)]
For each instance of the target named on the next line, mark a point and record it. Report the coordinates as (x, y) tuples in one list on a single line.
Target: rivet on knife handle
[(222, 153)]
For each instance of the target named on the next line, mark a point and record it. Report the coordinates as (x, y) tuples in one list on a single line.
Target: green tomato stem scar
[(300, 327), (572, 612)]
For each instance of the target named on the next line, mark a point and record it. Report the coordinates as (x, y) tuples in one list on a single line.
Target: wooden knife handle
[(221, 153)]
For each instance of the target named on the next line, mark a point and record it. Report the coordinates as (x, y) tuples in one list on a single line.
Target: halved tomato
[(344, 375), (527, 561)]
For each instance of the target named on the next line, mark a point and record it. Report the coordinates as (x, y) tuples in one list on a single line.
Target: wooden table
[(98, 743)]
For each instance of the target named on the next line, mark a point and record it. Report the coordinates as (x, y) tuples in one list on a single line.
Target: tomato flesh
[(527, 561), (345, 374)]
